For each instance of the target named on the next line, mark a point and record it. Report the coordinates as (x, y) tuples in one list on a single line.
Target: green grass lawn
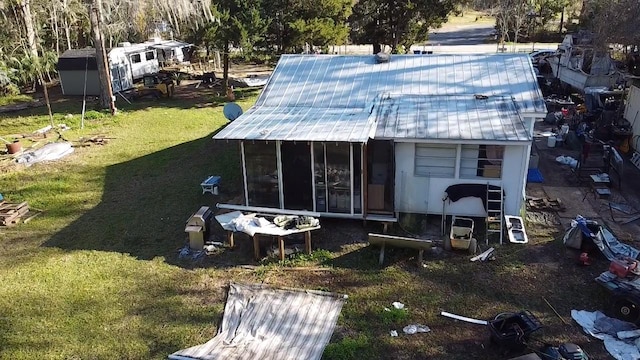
[(94, 275), (97, 275)]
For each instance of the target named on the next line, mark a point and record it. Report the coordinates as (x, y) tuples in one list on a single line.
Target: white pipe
[(466, 319)]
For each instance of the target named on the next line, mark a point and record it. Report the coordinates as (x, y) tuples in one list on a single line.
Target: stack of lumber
[(12, 213)]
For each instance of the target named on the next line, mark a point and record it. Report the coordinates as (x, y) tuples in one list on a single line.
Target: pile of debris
[(12, 213), (93, 140)]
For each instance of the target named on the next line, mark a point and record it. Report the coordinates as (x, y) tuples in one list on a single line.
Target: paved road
[(472, 34)]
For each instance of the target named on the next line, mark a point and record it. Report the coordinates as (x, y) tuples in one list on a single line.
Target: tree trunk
[(54, 27), (225, 66), (67, 32), (28, 24), (106, 94)]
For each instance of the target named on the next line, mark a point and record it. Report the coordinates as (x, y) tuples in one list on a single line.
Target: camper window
[(150, 55), (483, 161), (135, 58), (435, 160)]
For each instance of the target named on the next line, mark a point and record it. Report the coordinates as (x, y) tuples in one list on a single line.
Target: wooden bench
[(399, 241)]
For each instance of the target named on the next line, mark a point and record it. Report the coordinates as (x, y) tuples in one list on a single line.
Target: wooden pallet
[(545, 204), (12, 213)]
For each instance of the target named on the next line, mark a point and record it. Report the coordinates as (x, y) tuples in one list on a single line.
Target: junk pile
[(295, 222), (621, 339), (512, 333), (589, 237), (14, 213)]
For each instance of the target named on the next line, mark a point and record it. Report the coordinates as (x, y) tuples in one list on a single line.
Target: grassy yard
[(97, 276)]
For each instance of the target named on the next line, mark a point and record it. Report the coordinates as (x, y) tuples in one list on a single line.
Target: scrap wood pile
[(13, 213), (544, 204), (93, 140)]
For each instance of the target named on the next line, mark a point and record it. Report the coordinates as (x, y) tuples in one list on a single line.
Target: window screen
[(435, 160)]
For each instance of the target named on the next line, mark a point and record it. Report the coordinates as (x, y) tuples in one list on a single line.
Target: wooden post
[(307, 242), (256, 247), (381, 259), (281, 246), (230, 239), (365, 183), (420, 255)]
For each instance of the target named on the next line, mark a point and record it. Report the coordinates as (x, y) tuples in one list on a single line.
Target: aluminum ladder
[(494, 221)]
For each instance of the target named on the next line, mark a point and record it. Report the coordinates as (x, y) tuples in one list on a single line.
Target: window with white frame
[(483, 161), (435, 160), (150, 55), (135, 58)]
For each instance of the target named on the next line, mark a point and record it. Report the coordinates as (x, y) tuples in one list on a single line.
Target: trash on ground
[(587, 235), (567, 160), (486, 255), (605, 328), (393, 333), (188, 253), (515, 229), (511, 331), (398, 305), (415, 328), (49, 152), (463, 318)]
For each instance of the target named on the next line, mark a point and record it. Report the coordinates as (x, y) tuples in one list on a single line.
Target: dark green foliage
[(397, 23)]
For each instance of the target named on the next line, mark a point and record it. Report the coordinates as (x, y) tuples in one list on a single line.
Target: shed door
[(380, 176), (296, 175)]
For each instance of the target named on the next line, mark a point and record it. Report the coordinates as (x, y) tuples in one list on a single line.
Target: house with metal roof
[(349, 136)]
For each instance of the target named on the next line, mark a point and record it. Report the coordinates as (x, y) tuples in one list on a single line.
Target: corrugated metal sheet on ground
[(311, 97), (442, 117), (264, 323)]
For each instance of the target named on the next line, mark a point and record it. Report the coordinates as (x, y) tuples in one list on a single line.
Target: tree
[(397, 22), (106, 94), (615, 21)]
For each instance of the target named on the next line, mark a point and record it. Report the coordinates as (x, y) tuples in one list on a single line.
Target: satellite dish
[(232, 111)]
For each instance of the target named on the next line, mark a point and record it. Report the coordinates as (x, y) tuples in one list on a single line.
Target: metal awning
[(300, 124)]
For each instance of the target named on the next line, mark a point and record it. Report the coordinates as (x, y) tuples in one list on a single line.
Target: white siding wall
[(632, 114), (418, 194)]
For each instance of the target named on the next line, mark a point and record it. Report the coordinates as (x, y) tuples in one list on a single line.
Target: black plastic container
[(511, 331)]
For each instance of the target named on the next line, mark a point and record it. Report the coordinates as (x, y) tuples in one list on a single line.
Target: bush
[(6, 86), (93, 115)]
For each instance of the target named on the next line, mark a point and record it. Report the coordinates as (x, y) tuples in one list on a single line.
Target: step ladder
[(635, 159), (495, 203)]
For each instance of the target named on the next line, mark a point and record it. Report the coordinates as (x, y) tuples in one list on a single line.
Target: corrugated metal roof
[(79, 53), (265, 323), (444, 117), (318, 86), (300, 124)]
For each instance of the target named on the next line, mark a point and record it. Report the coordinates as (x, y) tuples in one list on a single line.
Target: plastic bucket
[(551, 141), (14, 147)]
